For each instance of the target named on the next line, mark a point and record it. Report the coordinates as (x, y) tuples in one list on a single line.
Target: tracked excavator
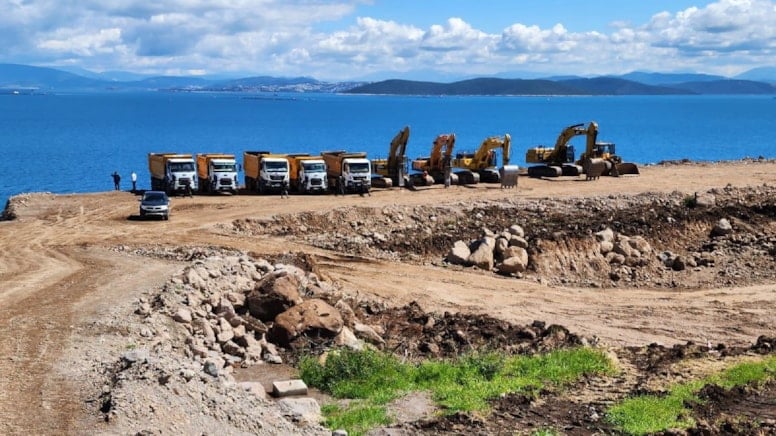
[(601, 159), (558, 160), (437, 167), (391, 171), (483, 161)]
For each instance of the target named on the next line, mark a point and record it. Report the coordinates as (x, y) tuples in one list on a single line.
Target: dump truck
[(217, 172), (172, 172), (348, 172), (307, 173), (265, 172)]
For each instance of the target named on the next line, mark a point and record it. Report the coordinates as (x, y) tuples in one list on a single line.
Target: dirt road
[(66, 259)]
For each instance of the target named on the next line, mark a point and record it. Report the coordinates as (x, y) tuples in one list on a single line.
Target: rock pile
[(504, 252), (238, 311)]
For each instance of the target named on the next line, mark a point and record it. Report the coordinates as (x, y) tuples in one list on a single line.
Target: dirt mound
[(410, 331), (740, 411), (685, 251)]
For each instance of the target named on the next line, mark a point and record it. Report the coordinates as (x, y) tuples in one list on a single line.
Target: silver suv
[(155, 203)]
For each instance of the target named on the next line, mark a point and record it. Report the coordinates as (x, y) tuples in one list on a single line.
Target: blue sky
[(379, 39)]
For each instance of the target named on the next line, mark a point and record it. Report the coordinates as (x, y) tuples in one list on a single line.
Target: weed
[(646, 414), (464, 384)]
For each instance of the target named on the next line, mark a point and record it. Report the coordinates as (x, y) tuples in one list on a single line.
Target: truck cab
[(356, 170), (172, 172), (312, 176), (217, 172), (223, 175), (273, 174), (181, 175)]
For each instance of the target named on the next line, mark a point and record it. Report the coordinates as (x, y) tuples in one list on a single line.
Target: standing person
[(116, 180), (134, 182), (284, 190)]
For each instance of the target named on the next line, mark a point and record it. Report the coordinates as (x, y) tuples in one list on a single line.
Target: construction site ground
[(68, 261)]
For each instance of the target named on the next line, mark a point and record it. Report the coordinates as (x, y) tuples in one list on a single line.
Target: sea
[(72, 143)]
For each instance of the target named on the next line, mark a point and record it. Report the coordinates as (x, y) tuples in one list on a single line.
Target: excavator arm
[(446, 142), (484, 157), (398, 149)]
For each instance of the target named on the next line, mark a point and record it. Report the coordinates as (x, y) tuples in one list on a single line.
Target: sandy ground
[(60, 267)]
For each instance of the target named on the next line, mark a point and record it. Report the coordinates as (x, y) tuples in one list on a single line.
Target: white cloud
[(284, 38)]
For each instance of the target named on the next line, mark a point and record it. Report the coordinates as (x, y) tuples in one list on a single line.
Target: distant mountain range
[(16, 78)]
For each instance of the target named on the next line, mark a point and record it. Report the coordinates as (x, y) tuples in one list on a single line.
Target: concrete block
[(288, 388)]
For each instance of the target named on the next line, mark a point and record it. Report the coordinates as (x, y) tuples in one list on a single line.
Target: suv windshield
[(154, 197)]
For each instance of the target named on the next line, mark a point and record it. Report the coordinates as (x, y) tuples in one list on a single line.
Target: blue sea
[(71, 143)]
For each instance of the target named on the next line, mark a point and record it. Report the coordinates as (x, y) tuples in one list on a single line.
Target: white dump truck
[(217, 172), (308, 173), (265, 172), (172, 172), (348, 172)]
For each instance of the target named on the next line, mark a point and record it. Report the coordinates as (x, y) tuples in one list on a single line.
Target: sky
[(440, 40)]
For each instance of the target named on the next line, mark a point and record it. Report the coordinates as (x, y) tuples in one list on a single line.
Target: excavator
[(558, 160), (600, 158), (391, 171), (437, 166), (483, 161)]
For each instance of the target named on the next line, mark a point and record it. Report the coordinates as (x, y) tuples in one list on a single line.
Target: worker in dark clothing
[(116, 181), (284, 189)]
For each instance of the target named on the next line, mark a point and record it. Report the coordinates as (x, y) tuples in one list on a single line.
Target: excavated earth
[(96, 339)]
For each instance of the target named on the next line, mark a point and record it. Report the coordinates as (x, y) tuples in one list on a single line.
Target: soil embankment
[(74, 269)]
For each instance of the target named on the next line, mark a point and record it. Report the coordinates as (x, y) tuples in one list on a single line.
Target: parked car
[(155, 203)]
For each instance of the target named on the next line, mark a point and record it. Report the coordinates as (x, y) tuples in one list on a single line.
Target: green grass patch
[(357, 418), (463, 384), (647, 414)]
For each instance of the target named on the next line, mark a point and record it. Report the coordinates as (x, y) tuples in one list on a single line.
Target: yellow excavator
[(558, 160), (483, 161), (601, 159), (438, 165), (392, 170)]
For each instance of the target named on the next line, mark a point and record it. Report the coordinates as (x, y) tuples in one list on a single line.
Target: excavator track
[(490, 175), (539, 171)]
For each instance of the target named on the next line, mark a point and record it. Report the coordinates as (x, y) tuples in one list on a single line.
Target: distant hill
[(490, 86), (762, 74), (15, 78), (482, 86), (728, 86), (29, 77), (615, 86), (665, 79)]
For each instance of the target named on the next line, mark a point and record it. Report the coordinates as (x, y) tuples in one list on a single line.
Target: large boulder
[(605, 235), (312, 317), (517, 230), (459, 254), (513, 265), (274, 295), (722, 228), (482, 256)]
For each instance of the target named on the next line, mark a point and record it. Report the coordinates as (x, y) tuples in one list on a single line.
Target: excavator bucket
[(381, 182), (508, 175), (627, 168)]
